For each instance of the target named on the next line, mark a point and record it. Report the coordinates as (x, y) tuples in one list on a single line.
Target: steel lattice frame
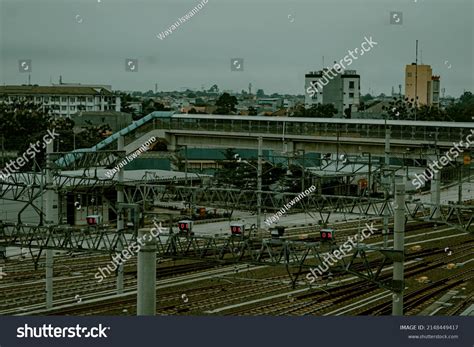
[(458, 216), (294, 255), (27, 187)]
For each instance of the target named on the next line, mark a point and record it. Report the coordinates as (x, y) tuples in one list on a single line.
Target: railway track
[(198, 300), (416, 297)]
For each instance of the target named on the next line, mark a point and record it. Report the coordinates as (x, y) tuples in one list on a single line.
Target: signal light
[(327, 234), (93, 219), (185, 226), (237, 228)]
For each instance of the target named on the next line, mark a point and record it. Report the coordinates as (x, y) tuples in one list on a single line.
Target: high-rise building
[(420, 83), (330, 86), (433, 92)]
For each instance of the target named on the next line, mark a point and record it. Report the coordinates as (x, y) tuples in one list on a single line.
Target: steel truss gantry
[(246, 200), (296, 255), (293, 254), (458, 216), (29, 187)]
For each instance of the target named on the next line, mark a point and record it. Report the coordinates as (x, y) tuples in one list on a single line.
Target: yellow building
[(427, 86)]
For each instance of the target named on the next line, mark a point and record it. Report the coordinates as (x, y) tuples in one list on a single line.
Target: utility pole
[(436, 185), (399, 245), (416, 79), (259, 182), (3, 150), (436, 194), (460, 185), (120, 224), (387, 184), (49, 220), (369, 183), (186, 165), (303, 173)]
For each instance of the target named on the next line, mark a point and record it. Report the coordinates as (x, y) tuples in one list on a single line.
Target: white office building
[(340, 88), (63, 100)]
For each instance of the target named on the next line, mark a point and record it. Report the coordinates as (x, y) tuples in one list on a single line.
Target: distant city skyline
[(87, 41)]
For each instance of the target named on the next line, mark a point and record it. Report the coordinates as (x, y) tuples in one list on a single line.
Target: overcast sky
[(87, 41)]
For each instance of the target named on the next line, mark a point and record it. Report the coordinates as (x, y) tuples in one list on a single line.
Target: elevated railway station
[(78, 209)]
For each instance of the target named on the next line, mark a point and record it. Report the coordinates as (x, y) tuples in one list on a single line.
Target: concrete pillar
[(289, 147), (460, 185), (398, 245), (49, 277), (120, 224), (436, 194), (171, 142), (48, 205), (118, 104), (146, 273)]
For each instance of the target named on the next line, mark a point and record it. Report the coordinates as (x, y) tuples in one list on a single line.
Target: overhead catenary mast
[(416, 78)]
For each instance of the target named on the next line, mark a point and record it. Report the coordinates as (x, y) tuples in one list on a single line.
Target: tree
[(252, 111), (150, 106), (226, 104), (463, 110), (88, 137), (226, 174), (271, 174), (126, 100), (429, 113), (214, 89), (149, 93), (348, 113), (399, 108), (24, 123), (260, 93), (317, 111), (243, 174), (366, 97), (199, 102), (299, 111)]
